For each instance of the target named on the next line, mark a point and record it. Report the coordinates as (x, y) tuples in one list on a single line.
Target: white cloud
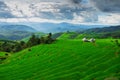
[(19, 9), (35, 19), (57, 11), (10, 20), (109, 19), (46, 7), (78, 18), (80, 21)]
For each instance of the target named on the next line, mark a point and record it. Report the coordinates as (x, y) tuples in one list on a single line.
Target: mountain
[(17, 28), (15, 32), (60, 27), (23, 29), (103, 30), (47, 27)]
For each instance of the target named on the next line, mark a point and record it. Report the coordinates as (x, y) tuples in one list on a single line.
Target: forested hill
[(15, 32), (16, 28), (103, 30), (106, 32)]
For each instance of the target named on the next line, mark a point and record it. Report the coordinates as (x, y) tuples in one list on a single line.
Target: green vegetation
[(2, 54), (9, 46), (67, 58), (64, 60), (68, 35), (77, 35), (38, 34), (101, 33), (105, 32)]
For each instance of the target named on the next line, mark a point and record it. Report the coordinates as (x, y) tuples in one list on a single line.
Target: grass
[(64, 60), (67, 35), (2, 53)]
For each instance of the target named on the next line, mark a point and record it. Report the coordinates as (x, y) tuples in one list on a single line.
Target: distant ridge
[(104, 29), (15, 32), (61, 27), (17, 28), (105, 32)]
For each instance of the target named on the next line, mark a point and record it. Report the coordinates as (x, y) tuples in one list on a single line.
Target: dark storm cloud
[(107, 5), (76, 1)]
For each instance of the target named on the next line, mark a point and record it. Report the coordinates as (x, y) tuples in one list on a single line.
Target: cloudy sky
[(106, 12)]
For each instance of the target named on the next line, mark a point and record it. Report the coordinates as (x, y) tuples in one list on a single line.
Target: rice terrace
[(60, 40), (64, 60)]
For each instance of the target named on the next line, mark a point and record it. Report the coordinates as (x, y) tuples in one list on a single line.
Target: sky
[(92, 12)]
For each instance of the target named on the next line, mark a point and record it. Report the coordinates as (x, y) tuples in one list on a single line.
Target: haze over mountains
[(6, 28), (47, 27), (104, 30), (18, 31), (15, 32), (61, 27)]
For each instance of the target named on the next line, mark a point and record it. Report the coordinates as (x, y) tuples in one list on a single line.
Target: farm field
[(64, 60), (59, 39)]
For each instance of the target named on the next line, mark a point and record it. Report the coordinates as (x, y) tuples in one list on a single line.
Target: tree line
[(18, 46)]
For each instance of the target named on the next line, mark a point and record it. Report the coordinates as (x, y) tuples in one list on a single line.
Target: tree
[(23, 44), (31, 41), (117, 43), (42, 40), (49, 38), (17, 47)]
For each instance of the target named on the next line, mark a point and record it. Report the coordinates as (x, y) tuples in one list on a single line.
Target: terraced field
[(2, 54), (64, 60), (68, 35)]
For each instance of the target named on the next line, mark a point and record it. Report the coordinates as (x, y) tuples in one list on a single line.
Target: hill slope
[(64, 60), (15, 32), (104, 29), (16, 28), (105, 32)]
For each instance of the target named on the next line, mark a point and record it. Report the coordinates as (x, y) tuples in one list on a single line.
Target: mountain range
[(15, 32), (17, 28), (104, 32), (60, 27), (18, 31)]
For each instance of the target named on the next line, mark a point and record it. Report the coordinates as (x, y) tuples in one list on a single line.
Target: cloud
[(47, 10), (17, 10), (33, 19), (109, 19), (70, 11), (4, 11), (76, 1), (78, 18), (107, 5), (103, 20)]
